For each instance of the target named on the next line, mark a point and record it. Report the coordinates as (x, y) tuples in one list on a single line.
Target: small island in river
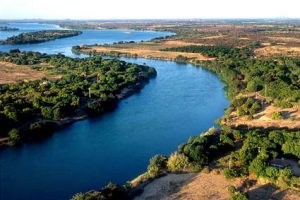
[(40, 36)]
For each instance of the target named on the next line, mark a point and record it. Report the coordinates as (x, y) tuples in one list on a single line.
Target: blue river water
[(181, 101)]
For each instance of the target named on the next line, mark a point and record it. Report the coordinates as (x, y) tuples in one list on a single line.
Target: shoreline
[(141, 182), (62, 123)]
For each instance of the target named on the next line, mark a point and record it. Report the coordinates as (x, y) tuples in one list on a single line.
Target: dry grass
[(277, 50), (263, 118), (207, 186), (11, 73), (150, 50)]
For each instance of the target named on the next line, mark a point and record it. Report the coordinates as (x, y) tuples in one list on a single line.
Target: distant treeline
[(40, 36), (88, 86), (213, 51), (6, 28)]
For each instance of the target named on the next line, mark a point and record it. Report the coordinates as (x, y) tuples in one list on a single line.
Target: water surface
[(181, 101)]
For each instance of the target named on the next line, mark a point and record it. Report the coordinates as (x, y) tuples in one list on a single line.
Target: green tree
[(14, 136)]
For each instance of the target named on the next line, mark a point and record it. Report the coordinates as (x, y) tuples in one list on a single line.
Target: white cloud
[(146, 9)]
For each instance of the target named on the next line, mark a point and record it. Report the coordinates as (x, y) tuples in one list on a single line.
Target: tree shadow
[(267, 191)]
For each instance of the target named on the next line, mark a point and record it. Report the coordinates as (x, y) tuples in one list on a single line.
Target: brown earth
[(263, 118), (11, 73), (208, 186), (149, 50)]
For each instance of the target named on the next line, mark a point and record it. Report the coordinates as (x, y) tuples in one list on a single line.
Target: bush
[(272, 173), (230, 173), (178, 162), (238, 196), (14, 136), (78, 196), (276, 115), (258, 166), (157, 165), (231, 189), (283, 104)]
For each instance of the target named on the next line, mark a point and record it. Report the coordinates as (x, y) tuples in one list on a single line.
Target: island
[(6, 28), (40, 36), (257, 143), (60, 90)]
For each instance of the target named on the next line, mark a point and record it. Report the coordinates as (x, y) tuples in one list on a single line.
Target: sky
[(147, 9)]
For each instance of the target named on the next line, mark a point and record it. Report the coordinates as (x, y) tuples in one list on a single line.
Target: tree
[(157, 165), (178, 162), (14, 136)]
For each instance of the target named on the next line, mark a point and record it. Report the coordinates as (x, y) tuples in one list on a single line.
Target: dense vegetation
[(88, 86), (277, 78), (246, 152), (40, 36), (213, 51)]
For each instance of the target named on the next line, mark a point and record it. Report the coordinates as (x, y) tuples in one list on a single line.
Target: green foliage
[(157, 165), (230, 173), (236, 195), (245, 106), (206, 147), (78, 196), (213, 51), (258, 166), (276, 115), (40, 36), (14, 136), (231, 189), (283, 104), (89, 86), (181, 59), (178, 163), (272, 173), (109, 192)]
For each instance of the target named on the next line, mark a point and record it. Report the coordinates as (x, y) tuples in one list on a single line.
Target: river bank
[(81, 114)]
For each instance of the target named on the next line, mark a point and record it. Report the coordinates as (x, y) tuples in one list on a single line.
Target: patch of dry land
[(11, 73), (150, 50), (209, 186), (264, 119), (277, 51)]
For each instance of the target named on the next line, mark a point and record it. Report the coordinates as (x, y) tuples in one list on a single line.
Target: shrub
[(272, 173), (258, 166), (157, 165), (78, 196), (230, 173), (276, 115), (178, 162), (14, 136), (238, 196), (283, 104), (231, 189)]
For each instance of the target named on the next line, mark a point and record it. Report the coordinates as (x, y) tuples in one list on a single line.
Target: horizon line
[(145, 19)]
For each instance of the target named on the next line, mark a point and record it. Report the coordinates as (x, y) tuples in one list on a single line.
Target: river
[(181, 101)]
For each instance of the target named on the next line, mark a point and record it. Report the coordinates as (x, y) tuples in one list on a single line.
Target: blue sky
[(147, 9)]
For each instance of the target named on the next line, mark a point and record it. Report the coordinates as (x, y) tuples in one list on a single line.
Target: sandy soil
[(208, 186), (10, 73)]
